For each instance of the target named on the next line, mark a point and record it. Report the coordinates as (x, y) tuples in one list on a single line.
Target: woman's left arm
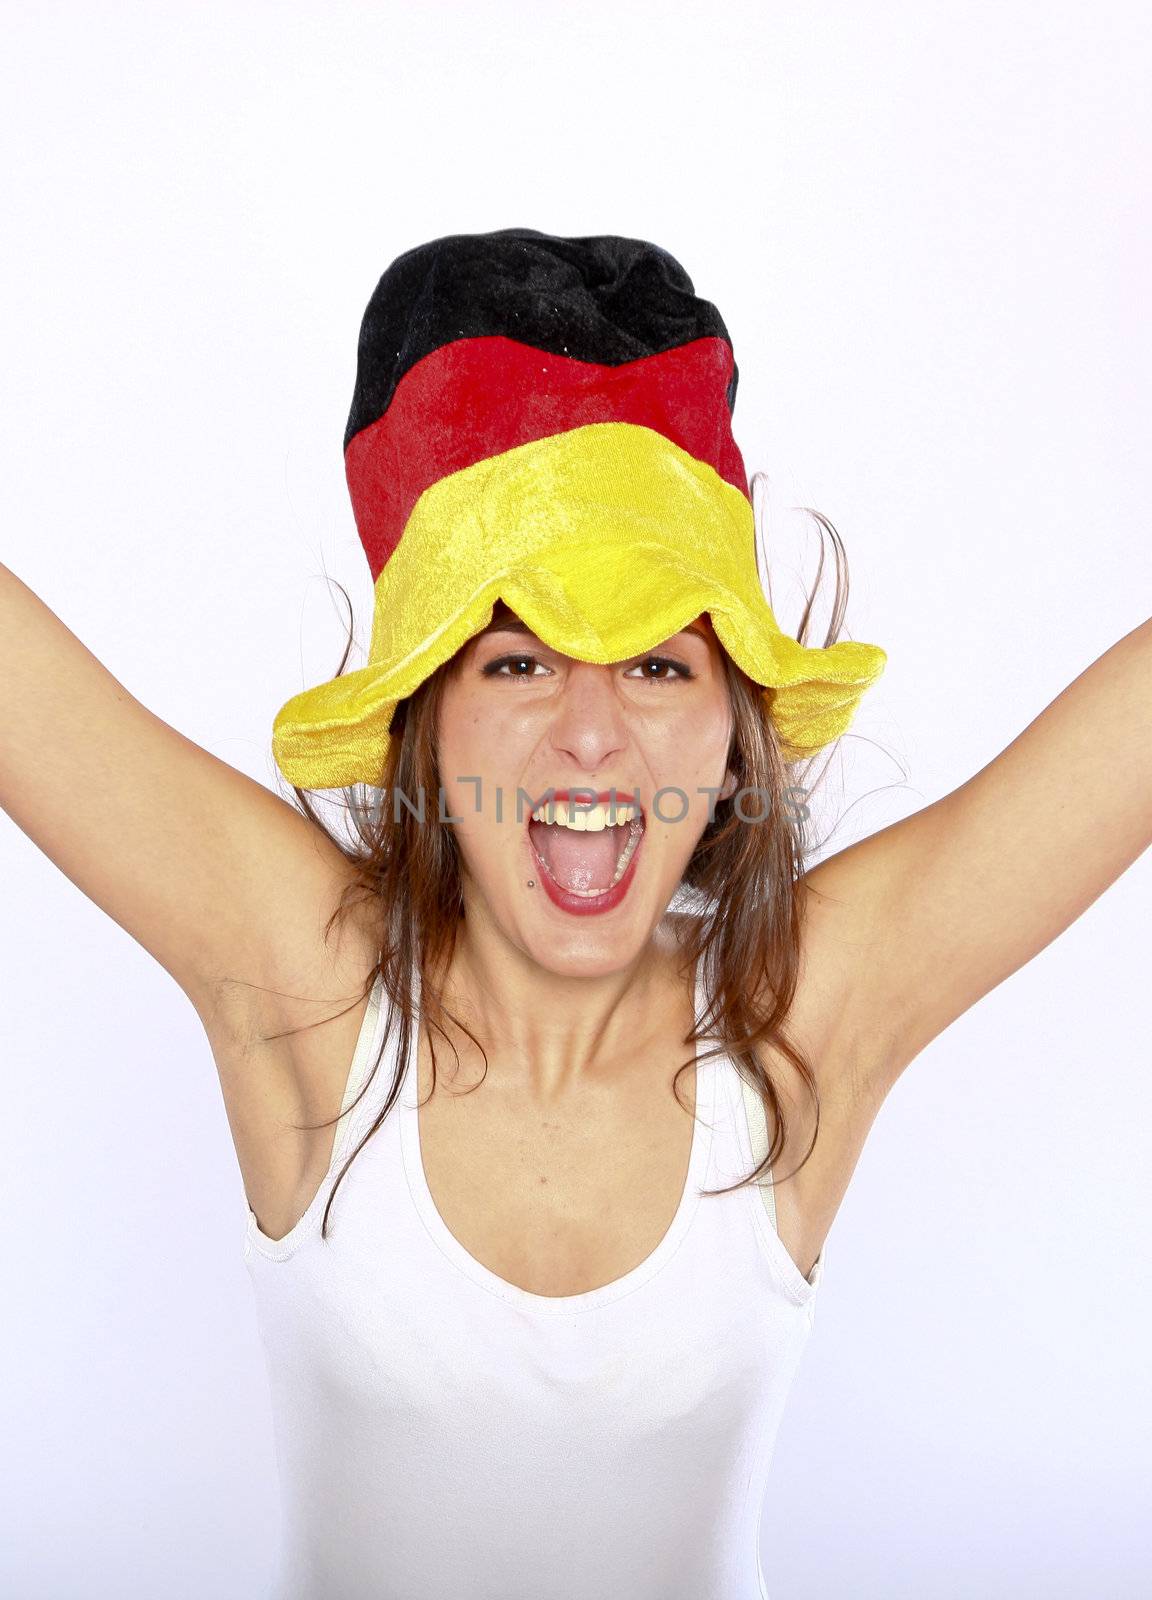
[(943, 905)]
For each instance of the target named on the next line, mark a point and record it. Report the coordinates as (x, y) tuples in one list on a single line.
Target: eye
[(677, 669), (493, 668)]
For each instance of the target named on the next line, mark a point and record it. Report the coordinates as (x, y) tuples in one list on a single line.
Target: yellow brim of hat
[(606, 540)]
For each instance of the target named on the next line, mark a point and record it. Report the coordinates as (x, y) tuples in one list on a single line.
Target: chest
[(563, 1197)]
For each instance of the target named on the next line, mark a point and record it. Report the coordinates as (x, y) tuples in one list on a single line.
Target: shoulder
[(829, 1021)]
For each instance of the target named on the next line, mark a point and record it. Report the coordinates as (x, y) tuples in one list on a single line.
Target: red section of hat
[(476, 398)]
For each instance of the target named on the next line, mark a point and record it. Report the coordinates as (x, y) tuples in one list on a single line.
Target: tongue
[(579, 860)]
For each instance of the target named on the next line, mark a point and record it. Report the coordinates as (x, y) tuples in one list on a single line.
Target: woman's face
[(519, 716)]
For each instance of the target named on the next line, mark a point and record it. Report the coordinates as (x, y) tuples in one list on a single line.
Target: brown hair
[(746, 872)]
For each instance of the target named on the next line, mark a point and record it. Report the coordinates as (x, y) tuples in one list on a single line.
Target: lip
[(580, 905)]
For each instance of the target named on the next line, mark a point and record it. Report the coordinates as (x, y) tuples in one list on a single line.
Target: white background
[(927, 228)]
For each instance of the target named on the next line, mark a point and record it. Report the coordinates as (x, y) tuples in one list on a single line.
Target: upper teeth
[(584, 818)]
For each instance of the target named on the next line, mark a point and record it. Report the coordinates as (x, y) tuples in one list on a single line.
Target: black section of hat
[(604, 299)]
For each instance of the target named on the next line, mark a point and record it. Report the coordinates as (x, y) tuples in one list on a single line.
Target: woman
[(531, 1318)]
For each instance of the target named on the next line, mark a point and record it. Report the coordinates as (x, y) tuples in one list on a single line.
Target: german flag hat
[(548, 421)]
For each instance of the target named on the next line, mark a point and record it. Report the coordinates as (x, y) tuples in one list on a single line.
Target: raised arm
[(215, 875), (931, 913)]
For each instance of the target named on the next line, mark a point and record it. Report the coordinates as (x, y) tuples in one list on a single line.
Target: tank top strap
[(750, 1105), (356, 1116), (758, 1137)]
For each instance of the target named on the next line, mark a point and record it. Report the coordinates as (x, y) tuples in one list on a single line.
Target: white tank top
[(443, 1433)]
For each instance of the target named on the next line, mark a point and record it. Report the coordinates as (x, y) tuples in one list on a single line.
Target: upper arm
[(203, 866), (928, 915)]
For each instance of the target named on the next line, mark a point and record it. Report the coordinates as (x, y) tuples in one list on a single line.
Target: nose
[(589, 725)]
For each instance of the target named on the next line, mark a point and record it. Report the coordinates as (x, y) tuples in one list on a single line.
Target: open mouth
[(586, 850)]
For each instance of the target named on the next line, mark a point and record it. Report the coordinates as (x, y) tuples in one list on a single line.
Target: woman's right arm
[(215, 875)]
